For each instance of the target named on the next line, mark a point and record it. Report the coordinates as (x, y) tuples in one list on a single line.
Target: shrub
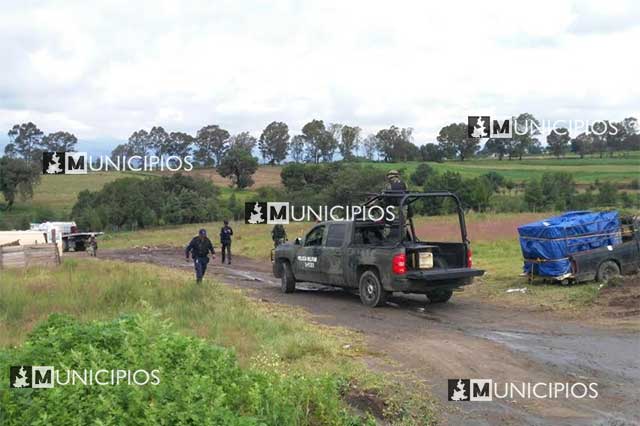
[(200, 383), (419, 177), (132, 203)]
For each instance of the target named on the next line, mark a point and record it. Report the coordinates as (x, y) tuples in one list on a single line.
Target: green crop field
[(585, 170)]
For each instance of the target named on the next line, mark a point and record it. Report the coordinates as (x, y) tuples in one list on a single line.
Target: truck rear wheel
[(607, 270), (371, 291), (287, 280), (439, 296)]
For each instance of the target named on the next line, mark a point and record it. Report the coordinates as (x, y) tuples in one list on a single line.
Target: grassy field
[(55, 195), (495, 249), (583, 170), (264, 336)]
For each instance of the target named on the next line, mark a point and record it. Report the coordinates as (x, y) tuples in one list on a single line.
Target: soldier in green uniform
[(278, 235)]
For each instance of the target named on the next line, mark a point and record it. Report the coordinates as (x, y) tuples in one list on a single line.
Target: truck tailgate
[(444, 274)]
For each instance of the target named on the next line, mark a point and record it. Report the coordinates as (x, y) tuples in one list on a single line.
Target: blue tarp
[(546, 244)]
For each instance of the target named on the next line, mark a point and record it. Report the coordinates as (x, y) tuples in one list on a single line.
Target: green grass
[(502, 261), (264, 336)]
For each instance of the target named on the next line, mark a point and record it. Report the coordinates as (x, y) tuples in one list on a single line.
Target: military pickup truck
[(379, 257)]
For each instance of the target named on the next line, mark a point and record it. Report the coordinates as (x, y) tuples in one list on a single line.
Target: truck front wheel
[(371, 291), (439, 296), (287, 280)]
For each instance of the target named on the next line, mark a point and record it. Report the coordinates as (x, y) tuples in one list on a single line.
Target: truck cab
[(379, 257)]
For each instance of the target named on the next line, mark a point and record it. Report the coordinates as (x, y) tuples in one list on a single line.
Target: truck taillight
[(469, 257), (399, 264)]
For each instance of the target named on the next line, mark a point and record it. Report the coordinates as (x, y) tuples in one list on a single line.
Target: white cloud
[(105, 69)]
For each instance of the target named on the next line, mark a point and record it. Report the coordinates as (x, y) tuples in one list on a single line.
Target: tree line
[(319, 142)]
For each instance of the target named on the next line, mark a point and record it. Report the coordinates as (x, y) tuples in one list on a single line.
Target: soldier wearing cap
[(199, 249), (225, 241)]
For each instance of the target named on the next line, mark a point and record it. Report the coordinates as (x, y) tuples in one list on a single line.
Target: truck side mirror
[(298, 241)]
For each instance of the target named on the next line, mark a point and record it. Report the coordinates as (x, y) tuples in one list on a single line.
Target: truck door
[(332, 256), (306, 265)]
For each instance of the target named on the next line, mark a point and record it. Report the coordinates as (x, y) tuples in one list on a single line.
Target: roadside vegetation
[(223, 357)]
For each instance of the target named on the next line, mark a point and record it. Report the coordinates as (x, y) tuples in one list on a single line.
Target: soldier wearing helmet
[(395, 182)]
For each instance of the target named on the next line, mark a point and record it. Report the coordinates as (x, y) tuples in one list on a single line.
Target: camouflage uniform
[(278, 235)]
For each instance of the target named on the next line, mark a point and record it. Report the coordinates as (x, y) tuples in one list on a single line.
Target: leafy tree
[(140, 143), (212, 142), (178, 144), (349, 141), (582, 144), (370, 146), (395, 144), (626, 134), (239, 165), (432, 152), (607, 194), (422, 172), (499, 147), (274, 142), (454, 139), (558, 141), (244, 141), (25, 140), (59, 141), (297, 148), (526, 127), (598, 131), (17, 177), (319, 142), (159, 140), (123, 149)]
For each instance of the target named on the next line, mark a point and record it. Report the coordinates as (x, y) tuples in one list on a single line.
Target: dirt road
[(464, 338)]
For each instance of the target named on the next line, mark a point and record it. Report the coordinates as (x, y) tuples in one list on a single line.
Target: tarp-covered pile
[(546, 244)]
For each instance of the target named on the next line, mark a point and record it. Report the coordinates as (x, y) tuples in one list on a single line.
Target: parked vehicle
[(67, 232), (606, 262), (379, 257), (580, 246)]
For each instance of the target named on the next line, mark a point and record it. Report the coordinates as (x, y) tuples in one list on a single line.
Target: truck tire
[(439, 296), (287, 280), (607, 270), (372, 293)]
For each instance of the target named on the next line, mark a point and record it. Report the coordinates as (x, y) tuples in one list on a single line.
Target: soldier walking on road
[(199, 249), (225, 241), (278, 235)]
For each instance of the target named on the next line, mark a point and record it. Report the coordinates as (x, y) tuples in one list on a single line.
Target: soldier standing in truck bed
[(395, 182)]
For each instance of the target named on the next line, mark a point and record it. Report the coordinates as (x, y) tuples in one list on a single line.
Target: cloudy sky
[(105, 69)]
